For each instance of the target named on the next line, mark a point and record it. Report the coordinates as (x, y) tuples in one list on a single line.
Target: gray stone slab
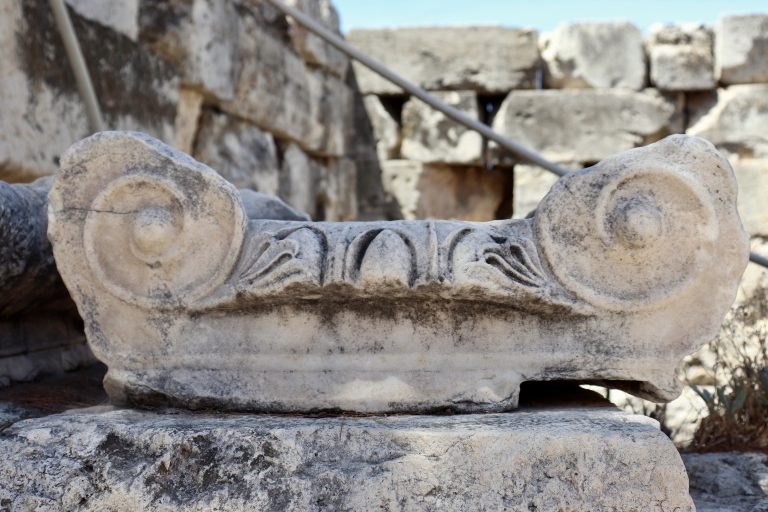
[(587, 125), (489, 60), (591, 458)]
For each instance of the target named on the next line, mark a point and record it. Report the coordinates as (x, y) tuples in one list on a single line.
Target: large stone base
[(568, 459)]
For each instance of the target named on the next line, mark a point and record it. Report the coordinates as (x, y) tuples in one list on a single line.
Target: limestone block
[(311, 47), (300, 179), (429, 136), (242, 153), (741, 44), (338, 190), (279, 92), (199, 37), (531, 184), (594, 458), (737, 122), (681, 57), (120, 15), (385, 128), (752, 176), (489, 60), (587, 125), (426, 191), (42, 110), (624, 269), (594, 55)]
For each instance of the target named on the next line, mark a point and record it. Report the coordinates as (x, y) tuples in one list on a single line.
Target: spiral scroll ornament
[(160, 241), (629, 238)]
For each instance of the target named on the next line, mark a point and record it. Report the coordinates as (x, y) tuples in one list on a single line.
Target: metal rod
[(513, 147), (77, 62), (758, 259)]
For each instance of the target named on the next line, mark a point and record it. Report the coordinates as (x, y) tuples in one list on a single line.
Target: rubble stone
[(594, 55), (728, 481), (587, 125), (489, 60), (741, 44), (737, 122), (681, 57), (428, 191), (593, 458), (241, 152), (429, 136)]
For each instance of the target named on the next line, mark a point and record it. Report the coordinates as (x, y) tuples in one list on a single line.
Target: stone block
[(489, 60), (741, 46), (593, 458), (240, 151), (315, 50), (728, 481), (587, 125), (300, 180), (681, 57), (385, 128), (42, 110), (427, 191), (736, 122), (594, 55), (199, 37), (207, 308), (279, 92), (429, 136), (752, 176), (188, 119), (120, 15), (338, 190), (531, 184)]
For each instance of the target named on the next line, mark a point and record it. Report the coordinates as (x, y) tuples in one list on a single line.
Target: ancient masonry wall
[(233, 83), (577, 95)]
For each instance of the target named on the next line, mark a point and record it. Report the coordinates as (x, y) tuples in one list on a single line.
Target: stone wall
[(577, 95), (234, 83)]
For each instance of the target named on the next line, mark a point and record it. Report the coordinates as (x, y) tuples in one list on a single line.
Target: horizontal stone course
[(490, 60)]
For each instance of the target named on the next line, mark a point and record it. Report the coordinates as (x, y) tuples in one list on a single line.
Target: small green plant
[(738, 404)]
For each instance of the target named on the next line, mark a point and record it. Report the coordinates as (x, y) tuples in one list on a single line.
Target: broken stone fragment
[(611, 280)]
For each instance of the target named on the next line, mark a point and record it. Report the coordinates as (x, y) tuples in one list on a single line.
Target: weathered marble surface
[(626, 267), (681, 57), (741, 43), (595, 459)]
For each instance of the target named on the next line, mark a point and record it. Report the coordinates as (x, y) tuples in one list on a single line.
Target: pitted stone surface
[(681, 57), (594, 55), (594, 459), (208, 308)]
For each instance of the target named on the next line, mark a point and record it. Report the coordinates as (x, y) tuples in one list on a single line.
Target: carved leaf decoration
[(269, 255), (516, 259)]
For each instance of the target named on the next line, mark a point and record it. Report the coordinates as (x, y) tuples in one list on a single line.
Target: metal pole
[(77, 62), (758, 259), (458, 116)]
